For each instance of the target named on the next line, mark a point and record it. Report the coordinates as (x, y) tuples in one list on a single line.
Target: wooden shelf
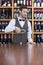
[(37, 7), (38, 19), (5, 6), (37, 32), (5, 33), (5, 19), (19, 6)]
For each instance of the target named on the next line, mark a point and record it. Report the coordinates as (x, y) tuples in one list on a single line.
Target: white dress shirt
[(11, 27)]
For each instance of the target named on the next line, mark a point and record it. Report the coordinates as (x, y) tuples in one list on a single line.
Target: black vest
[(17, 38)]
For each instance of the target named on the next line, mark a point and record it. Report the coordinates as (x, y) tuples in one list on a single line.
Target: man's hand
[(17, 30)]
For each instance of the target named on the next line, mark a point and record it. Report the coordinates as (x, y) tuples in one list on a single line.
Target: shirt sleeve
[(11, 26), (29, 32)]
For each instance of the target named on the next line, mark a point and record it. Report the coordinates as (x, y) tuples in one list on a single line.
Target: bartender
[(18, 24)]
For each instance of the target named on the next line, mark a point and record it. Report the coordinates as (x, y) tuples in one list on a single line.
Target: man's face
[(24, 13)]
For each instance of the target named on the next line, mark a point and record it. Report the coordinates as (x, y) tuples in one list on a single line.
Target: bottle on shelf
[(38, 3), (5, 38), (41, 30), (38, 27), (3, 14), (4, 4), (29, 14), (41, 38), (38, 38), (27, 2), (16, 2), (24, 3), (8, 3), (35, 4), (2, 38), (3, 28), (35, 26), (41, 4), (0, 27), (30, 2), (35, 38)]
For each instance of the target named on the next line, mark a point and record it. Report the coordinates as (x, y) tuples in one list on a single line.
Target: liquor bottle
[(35, 13), (38, 14), (4, 4), (30, 2), (8, 3), (15, 2), (18, 2), (3, 14), (35, 38), (38, 3), (27, 2), (2, 38), (41, 27), (9, 38), (0, 2), (24, 3), (0, 13), (8, 13), (38, 38), (3, 27), (29, 14), (0, 27), (41, 4), (38, 27), (35, 4), (5, 38), (42, 37), (35, 26)]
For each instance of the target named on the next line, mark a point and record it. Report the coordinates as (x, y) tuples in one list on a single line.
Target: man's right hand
[(17, 30)]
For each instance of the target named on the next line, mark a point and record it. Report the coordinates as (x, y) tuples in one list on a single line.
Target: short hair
[(23, 7)]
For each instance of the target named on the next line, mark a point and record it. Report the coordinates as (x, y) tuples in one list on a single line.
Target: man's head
[(23, 11)]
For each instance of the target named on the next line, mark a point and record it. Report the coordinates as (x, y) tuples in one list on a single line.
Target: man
[(20, 23)]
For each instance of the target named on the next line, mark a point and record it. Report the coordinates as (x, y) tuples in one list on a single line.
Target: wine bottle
[(38, 27), (41, 4), (4, 4), (41, 27), (24, 3), (3, 27), (35, 26), (0, 27), (18, 2), (3, 14), (35, 38), (2, 38), (5, 38), (38, 3), (8, 3), (15, 2), (27, 2), (38, 38), (35, 4), (30, 2), (42, 38)]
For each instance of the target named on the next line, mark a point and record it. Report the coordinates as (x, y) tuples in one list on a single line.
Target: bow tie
[(21, 19)]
